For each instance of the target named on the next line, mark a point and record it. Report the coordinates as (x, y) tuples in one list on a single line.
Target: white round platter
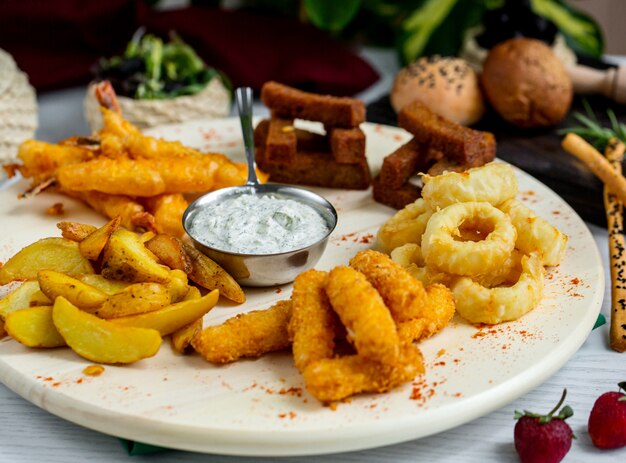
[(260, 407)]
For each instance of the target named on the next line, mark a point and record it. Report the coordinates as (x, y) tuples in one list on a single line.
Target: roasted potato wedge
[(92, 246), (136, 299), (181, 339), (75, 231), (101, 341), (147, 236), (57, 254), (126, 258), (33, 327), (170, 252), (39, 298), (178, 285), (82, 295), (19, 299), (109, 287), (173, 317), (210, 275)]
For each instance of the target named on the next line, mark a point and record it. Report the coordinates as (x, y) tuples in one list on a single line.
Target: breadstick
[(597, 163), (614, 218)]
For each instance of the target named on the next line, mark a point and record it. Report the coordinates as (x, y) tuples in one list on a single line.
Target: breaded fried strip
[(281, 142), (396, 198), (438, 312), (335, 379), (332, 111), (313, 324), (317, 169), (403, 163), (461, 144), (362, 311), (347, 145), (403, 295), (246, 335)]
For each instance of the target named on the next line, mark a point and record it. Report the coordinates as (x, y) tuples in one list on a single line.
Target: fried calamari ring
[(478, 304), (535, 234), (250, 334), (406, 226), (410, 257), (493, 183), (335, 379), (404, 296), (437, 313), (362, 311), (468, 258), (312, 326)]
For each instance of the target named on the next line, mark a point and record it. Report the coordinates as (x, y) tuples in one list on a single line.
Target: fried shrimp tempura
[(168, 211), (111, 206), (439, 310), (334, 379), (313, 324), (404, 295), (246, 335), (362, 311)]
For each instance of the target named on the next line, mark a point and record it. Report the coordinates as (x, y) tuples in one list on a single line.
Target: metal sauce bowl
[(262, 269)]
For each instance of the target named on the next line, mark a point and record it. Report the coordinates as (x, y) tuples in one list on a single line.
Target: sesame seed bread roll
[(447, 86)]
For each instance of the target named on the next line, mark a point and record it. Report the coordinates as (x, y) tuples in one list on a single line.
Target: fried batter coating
[(331, 380), (246, 335), (313, 323), (168, 211), (438, 311), (363, 312), (404, 295), (112, 206), (41, 160), (406, 226)]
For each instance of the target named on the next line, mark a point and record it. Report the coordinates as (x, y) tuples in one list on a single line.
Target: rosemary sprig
[(592, 130)]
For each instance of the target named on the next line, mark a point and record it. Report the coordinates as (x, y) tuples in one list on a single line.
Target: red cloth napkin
[(56, 42)]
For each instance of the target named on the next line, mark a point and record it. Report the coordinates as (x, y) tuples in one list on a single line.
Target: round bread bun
[(447, 86), (526, 83)]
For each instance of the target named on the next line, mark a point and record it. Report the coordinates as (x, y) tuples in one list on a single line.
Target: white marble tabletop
[(30, 434)]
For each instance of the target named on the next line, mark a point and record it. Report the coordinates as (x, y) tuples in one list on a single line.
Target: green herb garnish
[(592, 130)]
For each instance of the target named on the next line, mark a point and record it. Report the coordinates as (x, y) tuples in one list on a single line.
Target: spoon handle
[(244, 98)]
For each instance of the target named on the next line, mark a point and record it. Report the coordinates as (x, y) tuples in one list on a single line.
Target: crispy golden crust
[(168, 211), (403, 295), (246, 335), (438, 311), (313, 323), (335, 379), (363, 312)]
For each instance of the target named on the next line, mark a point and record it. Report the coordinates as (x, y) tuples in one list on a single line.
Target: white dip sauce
[(258, 224)]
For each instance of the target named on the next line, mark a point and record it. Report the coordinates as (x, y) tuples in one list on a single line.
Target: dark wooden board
[(539, 153)]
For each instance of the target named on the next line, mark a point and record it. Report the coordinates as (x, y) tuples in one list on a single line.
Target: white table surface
[(29, 434)]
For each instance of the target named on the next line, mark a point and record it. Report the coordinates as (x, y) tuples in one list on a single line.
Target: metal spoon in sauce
[(261, 269)]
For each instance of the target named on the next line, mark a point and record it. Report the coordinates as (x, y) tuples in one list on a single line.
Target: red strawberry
[(607, 420), (543, 438)]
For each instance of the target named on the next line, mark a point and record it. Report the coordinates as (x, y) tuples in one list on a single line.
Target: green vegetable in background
[(424, 27), (153, 69)]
